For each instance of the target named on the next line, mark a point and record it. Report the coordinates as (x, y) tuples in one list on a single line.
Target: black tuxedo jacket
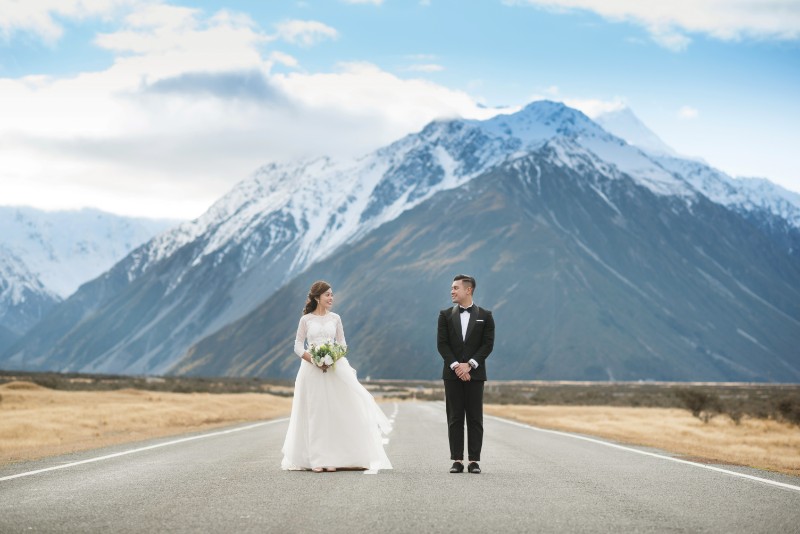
[(477, 345)]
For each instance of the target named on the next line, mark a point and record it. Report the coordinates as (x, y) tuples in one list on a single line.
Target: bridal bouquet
[(327, 353)]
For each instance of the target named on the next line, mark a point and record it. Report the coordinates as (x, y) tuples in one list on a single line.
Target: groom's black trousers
[(464, 399)]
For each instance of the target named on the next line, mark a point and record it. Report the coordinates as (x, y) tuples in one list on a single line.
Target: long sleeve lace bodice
[(317, 329)]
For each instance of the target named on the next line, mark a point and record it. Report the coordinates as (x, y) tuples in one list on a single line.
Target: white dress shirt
[(464, 323)]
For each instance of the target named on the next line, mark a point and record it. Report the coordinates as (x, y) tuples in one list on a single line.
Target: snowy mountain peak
[(316, 205), (67, 248), (16, 280), (748, 195), (761, 194), (542, 120), (360, 195), (23, 297), (281, 220)]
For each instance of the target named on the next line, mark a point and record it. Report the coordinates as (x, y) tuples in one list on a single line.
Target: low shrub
[(789, 409)]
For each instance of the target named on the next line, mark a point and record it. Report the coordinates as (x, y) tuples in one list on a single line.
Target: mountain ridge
[(67, 248), (23, 298), (192, 281), (569, 265)]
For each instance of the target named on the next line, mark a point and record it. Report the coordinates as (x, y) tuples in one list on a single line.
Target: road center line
[(646, 453), (142, 449)]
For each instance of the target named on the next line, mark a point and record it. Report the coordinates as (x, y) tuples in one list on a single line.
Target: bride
[(335, 422)]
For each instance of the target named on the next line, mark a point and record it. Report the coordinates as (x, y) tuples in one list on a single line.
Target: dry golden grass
[(760, 443), (36, 422)]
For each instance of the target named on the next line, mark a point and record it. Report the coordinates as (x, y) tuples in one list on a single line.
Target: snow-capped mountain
[(330, 202), (23, 297), (67, 248), (742, 194), (757, 197), (761, 194), (590, 276), (189, 282), (364, 193)]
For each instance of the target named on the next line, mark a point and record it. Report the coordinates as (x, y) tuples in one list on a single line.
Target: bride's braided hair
[(316, 291)]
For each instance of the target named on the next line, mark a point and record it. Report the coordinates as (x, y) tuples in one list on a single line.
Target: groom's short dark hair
[(467, 280)]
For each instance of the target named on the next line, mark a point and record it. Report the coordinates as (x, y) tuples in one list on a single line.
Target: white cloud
[(160, 41), (189, 107), (591, 107), (670, 39), (284, 59), (669, 22), (421, 57), (162, 17), (305, 32), (40, 16), (365, 92), (687, 112), (426, 67)]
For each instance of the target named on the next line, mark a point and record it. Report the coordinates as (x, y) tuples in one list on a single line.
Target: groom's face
[(460, 292)]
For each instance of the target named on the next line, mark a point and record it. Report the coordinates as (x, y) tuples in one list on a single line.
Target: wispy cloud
[(42, 17), (670, 38), (421, 57), (688, 113), (305, 32), (365, 89), (284, 59), (669, 22), (423, 63), (592, 107), (190, 106), (426, 67)]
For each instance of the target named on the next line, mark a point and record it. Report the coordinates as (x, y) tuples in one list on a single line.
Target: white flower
[(328, 360)]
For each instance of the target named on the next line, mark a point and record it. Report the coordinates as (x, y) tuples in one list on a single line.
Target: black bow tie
[(468, 310)]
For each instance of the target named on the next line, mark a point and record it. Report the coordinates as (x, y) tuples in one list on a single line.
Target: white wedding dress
[(335, 422)]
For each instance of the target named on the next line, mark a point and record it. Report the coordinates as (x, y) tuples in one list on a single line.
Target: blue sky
[(158, 108)]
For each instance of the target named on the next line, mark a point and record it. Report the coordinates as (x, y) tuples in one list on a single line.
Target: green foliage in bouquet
[(327, 353)]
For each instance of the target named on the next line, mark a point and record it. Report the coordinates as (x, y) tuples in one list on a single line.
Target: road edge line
[(647, 453), (142, 449)]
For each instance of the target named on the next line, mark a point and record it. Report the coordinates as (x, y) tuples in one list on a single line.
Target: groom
[(465, 339)]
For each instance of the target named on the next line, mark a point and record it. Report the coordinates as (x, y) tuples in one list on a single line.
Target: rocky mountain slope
[(590, 275), (261, 238)]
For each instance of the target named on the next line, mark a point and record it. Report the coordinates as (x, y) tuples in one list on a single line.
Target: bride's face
[(326, 300)]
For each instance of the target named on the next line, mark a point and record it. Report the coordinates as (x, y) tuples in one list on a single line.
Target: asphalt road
[(533, 481)]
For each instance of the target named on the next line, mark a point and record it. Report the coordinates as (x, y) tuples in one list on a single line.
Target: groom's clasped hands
[(462, 371)]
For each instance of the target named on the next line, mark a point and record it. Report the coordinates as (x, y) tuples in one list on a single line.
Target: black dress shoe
[(473, 467), (458, 467)]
